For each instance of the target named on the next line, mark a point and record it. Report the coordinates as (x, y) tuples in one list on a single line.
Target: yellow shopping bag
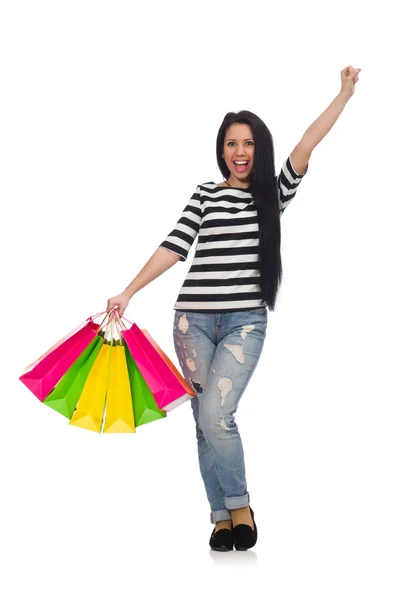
[(90, 407), (119, 413)]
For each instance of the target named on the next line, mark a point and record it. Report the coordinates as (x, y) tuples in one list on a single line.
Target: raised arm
[(300, 155)]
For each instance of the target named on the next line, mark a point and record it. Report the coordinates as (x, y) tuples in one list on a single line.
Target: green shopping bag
[(143, 402), (65, 395)]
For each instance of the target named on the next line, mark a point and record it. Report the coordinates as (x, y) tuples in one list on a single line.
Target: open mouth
[(241, 165)]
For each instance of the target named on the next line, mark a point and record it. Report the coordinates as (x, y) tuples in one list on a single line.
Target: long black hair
[(263, 189)]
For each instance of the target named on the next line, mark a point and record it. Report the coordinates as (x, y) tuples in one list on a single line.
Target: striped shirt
[(224, 275)]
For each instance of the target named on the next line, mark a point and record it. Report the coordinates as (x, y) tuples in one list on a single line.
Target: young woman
[(222, 308)]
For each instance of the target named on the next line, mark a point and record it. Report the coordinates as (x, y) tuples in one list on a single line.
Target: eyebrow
[(233, 140)]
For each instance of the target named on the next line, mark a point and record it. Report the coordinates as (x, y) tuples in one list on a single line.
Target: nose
[(240, 152)]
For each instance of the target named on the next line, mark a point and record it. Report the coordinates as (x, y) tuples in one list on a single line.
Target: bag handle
[(119, 317), (102, 313), (102, 326), (98, 315), (119, 321), (113, 316), (117, 325)]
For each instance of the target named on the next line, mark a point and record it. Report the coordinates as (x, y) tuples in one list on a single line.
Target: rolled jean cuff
[(237, 501), (220, 515)]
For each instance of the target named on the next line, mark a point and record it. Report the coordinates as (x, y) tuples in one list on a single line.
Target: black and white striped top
[(224, 275)]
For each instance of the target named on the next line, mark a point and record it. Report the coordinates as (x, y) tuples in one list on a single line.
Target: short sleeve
[(287, 184), (181, 238)]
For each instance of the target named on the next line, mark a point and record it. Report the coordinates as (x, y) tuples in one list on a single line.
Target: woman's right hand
[(121, 301)]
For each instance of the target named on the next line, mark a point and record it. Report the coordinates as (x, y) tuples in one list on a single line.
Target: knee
[(212, 421), (206, 421)]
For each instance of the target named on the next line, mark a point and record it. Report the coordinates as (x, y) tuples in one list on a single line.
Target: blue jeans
[(218, 353)]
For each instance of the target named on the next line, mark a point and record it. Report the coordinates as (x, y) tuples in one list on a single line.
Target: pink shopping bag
[(167, 385), (45, 373)]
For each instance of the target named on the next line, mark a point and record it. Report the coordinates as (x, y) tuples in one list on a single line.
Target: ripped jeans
[(218, 353)]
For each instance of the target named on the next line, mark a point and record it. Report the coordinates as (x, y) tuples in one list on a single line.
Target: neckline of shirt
[(230, 187)]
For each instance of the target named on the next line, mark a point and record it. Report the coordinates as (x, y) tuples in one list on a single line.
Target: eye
[(248, 142)]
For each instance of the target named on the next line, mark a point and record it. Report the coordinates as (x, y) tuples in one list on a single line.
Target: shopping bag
[(113, 390), (145, 407), (43, 375), (66, 393), (168, 386), (91, 404), (129, 401), (105, 389), (119, 414)]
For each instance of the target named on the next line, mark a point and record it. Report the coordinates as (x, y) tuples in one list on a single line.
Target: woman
[(222, 309)]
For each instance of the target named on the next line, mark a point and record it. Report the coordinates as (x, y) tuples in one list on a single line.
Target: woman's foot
[(242, 516), (223, 525), (222, 536), (244, 535)]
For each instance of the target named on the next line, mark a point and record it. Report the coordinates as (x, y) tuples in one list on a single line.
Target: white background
[(109, 115)]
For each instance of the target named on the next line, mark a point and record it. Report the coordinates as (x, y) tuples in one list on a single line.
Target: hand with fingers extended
[(121, 301)]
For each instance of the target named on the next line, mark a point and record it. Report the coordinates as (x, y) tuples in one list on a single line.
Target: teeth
[(241, 162)]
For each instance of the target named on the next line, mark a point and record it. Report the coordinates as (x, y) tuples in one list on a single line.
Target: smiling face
[(238, 146)]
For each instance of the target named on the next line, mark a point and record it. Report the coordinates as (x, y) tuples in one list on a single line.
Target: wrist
[(128, 292), (345, 95)]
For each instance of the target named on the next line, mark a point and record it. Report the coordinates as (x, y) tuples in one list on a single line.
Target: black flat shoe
[(222, 540), (244, 536)]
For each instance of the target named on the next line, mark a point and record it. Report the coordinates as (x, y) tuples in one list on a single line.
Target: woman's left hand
[(349, 77)]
